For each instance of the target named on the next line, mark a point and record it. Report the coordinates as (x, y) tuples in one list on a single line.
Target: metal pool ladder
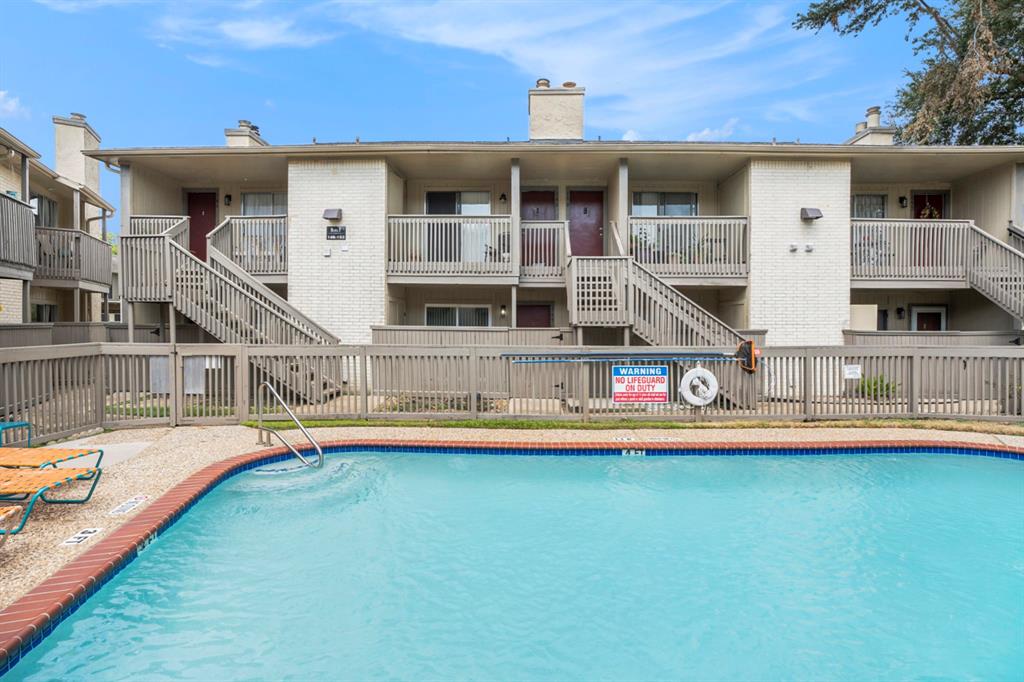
[(269, 431)]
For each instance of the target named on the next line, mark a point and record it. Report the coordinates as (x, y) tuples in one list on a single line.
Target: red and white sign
[(639, 384)]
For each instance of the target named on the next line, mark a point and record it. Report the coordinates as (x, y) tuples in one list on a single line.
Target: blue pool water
[(427, 567)]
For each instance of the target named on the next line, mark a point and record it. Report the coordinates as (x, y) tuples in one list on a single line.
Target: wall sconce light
[(503, 198), (810, 213), (901, 313), (503, 311), (903, 202), (227, 199), (332, 214)]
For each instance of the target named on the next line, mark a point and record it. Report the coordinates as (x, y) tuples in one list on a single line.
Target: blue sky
[(155, 73)]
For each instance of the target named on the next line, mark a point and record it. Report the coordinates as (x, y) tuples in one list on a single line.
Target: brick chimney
[(247, 134), (556, 113)]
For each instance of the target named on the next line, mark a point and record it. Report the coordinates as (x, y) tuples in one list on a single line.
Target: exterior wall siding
[(346, 290), (800, 297), (987, 199), (10, 301)]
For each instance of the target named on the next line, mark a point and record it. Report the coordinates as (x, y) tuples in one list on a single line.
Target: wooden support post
[(807, 381), (474, 384), (364, 387), (627, 336), (25, 185), (129, 312), (76, 297), (26, 300), (512, 313), (514, 205), (172, 326), (76, 209)]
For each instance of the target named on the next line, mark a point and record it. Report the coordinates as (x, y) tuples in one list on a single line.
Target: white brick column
[(801, 297)]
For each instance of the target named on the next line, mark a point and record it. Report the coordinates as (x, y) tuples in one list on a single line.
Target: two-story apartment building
[(677, 243), (55, 263)]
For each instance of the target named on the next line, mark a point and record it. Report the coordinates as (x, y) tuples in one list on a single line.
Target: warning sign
[(640, 384)]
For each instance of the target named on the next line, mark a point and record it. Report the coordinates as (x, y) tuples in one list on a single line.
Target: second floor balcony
[(479, 248), (72, 259), (17, 239)]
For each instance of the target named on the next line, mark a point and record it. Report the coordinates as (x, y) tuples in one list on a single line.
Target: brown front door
[(533, 315), (586, 223), (929, 206), (202, 213), (927, 321)]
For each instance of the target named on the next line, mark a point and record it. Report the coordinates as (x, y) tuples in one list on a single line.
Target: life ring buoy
[(699, 387)]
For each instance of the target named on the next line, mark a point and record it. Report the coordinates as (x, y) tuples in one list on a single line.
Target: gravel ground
[(173, 454)]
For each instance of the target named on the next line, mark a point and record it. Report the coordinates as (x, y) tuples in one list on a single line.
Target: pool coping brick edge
[(26, 622)]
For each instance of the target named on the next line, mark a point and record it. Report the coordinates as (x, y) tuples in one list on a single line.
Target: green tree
[(969, 88)]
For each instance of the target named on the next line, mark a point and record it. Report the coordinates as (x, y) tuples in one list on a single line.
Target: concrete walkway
[(148, 462)]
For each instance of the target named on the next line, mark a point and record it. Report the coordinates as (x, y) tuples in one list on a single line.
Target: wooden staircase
[(996, 270)]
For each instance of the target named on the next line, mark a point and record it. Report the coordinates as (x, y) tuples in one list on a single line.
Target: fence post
[(242, 383), (808, 384), (364, 389), (101, 408), (175, 385), (474, 392), (585, 391), (914, 395)]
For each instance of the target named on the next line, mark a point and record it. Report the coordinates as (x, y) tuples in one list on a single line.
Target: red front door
[(533, 315), (538, 205), (202, 213), (929, 206), (586, 223)]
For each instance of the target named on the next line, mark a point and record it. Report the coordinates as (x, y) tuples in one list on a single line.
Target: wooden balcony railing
[(145, 257), (450, 245), (257, 244), (17, 234), (542, 245), (72, 255), (909, 249), (698, 246)]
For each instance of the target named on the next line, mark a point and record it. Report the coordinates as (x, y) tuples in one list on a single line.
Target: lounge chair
[(4, 426), (7, 516), (34, 484), (40, 458)]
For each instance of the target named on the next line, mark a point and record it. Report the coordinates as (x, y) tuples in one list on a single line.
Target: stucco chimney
[(72, 136), (874, 115), (556, 113), (861, 125), (246, 134)]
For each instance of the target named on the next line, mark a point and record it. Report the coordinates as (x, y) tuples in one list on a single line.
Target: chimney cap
[(77, 116), (874, 110), (543, 83), (243, 123), (569, 84), (861, 125)]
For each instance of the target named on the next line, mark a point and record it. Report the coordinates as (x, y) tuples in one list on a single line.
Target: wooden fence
[(64, 390)]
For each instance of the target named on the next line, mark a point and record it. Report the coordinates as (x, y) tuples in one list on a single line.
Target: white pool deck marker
[(128, 505), (81, 536)]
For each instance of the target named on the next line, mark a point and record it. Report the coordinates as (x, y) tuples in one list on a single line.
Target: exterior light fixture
[(903, 202), (901, 313), (810, 213), (503, 198), (503, 311), (332, 214), (227, 199)]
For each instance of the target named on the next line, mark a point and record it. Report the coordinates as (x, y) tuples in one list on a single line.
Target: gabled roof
[(11, 142)]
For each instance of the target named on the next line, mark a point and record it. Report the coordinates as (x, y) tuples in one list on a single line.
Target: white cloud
[(666, 71), (723, 133), (211, 60), (11, 107), (631, 136), (258, 34), (73, 6)]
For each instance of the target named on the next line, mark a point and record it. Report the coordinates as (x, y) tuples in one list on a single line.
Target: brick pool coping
[(27, 621)]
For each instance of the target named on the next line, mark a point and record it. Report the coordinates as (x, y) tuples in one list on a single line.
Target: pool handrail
[(269, 431)]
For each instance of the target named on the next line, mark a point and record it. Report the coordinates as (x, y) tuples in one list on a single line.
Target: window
[(868, 206), (45, 210), (648, 204), (44, 312), (264, 203), (458, 203), (458, 316)]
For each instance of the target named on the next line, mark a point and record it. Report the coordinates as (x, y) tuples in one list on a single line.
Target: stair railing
[(267, 432)]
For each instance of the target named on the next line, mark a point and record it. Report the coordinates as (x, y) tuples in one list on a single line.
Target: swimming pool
[(419, 566)]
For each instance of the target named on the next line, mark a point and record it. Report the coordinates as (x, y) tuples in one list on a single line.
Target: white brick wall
[(10, 301), (346, 291), (800, 298)]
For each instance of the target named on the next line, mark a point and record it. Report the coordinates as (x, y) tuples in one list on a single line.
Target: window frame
[(458, 192), (660, 206), (885, 205), (273, 203), (456, 307)]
